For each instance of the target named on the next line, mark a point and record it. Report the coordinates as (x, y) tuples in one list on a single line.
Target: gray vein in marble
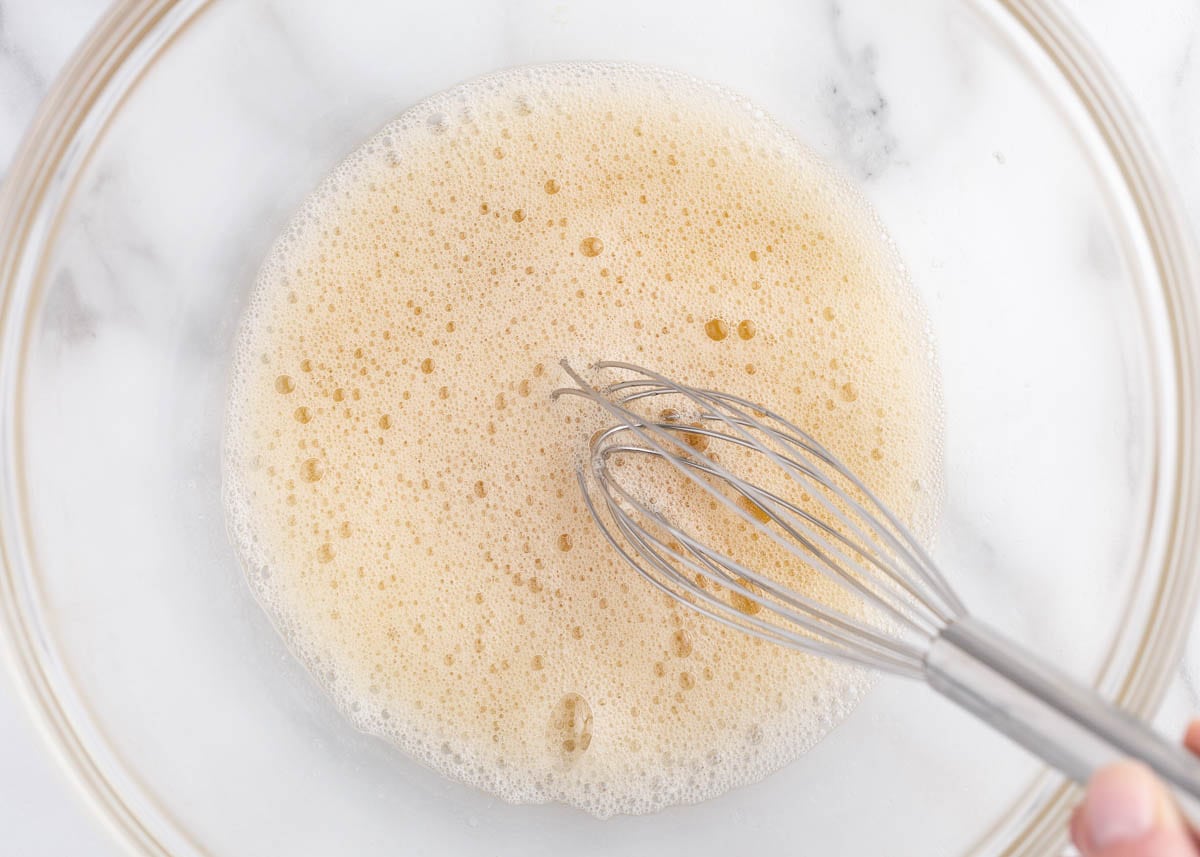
[(1182, 118), (290, 44), (1185, 63), (857, 105), (18, 59), (21, 82), (1100, 254), (1183, 78), (1186, 679), (970, 549), (108, 242), (265, 106), (66, 313)]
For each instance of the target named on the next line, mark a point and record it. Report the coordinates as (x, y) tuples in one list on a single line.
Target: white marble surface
[(1155, 47)]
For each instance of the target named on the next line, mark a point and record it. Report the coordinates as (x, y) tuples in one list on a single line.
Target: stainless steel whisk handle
[(1068, 725)]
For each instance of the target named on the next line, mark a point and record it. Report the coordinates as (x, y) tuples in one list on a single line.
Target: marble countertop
[(1154, 47)]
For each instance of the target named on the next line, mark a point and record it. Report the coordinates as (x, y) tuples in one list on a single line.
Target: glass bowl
[(1010, 172)]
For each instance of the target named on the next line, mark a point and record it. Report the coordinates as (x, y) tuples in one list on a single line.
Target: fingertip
[(1073, 828), (1160, 843), (1191, 737), (1125, 805)]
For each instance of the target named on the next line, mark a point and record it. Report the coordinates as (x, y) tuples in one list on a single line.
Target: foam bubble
[(401, 488)]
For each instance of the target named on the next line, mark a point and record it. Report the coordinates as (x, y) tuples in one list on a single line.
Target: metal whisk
[(905, 620)]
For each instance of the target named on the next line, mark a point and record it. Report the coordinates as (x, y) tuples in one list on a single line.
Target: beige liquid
[(402, 488)]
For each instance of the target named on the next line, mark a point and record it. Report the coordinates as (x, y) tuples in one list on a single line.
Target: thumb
[(1128, 813)]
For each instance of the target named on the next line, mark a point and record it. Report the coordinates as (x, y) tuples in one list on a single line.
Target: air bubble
[(681, 643), (591, 247), (716, 329), (570, 730), (744, 603), (311, 470)]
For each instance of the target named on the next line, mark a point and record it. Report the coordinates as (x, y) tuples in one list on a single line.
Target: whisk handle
[(1065, 723)]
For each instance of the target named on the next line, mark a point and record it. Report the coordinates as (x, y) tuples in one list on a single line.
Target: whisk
[(906, 619)]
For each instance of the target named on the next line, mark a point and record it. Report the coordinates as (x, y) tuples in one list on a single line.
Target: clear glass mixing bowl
[(1005, 165)]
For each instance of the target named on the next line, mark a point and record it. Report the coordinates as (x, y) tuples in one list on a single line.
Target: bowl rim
[(123, 46)]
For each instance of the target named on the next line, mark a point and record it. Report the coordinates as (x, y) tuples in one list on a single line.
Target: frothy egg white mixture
[(402, 489)]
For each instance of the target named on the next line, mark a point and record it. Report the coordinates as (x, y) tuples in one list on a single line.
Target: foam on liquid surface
[(402, 489)]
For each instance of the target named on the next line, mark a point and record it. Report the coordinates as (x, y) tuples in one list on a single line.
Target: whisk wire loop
[(865, 550), (675, 585), (749, 430), (729, 574)]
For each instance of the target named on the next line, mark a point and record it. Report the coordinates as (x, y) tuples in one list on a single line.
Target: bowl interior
[(1001, 199)]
